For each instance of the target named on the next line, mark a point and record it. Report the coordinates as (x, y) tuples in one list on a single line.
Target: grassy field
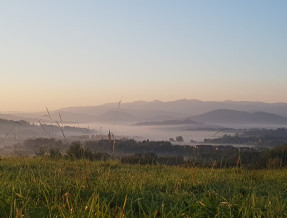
[(41, 187)]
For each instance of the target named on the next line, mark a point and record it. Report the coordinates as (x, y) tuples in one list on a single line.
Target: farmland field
[(42, 187)]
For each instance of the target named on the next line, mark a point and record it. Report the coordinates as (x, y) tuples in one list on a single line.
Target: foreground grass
[(37, 187)]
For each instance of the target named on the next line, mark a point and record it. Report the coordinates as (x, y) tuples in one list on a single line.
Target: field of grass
[(41, 187)]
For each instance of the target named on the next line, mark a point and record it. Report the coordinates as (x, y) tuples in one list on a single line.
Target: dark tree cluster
[(260, 137), (79, 151)]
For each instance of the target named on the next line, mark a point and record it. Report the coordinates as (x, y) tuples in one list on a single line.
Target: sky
[(77, 53)]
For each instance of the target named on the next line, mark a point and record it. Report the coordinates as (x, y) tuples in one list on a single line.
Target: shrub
[(77, 151), (55, 153)]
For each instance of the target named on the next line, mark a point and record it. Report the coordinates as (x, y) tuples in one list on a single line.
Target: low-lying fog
[(156, 133)]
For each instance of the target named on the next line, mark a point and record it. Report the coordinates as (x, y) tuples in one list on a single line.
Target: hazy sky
[(68, 53)]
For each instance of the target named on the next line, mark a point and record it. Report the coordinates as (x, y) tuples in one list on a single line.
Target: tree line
[(160, 152)]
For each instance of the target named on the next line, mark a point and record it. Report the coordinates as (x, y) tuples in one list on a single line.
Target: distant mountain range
[(223, 116), (158, 111)]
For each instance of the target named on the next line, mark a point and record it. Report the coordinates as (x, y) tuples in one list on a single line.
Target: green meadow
[(42, 187)]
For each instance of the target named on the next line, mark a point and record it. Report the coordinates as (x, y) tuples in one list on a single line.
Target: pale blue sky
[(67, 53)]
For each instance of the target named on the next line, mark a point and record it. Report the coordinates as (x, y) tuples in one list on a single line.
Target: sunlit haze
[(70, 53)]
